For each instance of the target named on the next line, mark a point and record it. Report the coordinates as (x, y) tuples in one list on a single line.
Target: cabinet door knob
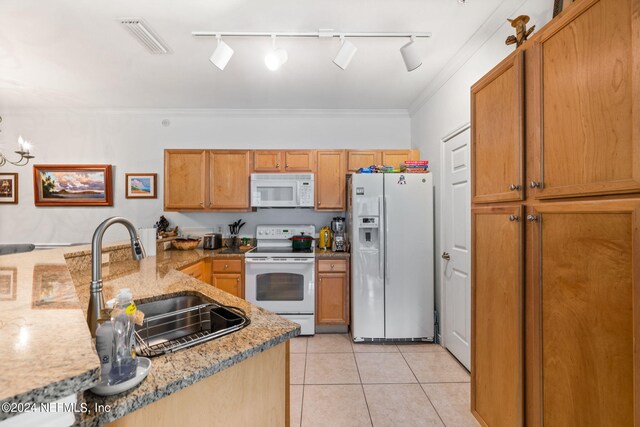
[(446, 256), (286, 165), (277, 165), (532, 218), (332, 266), (514, 187), (535, 184), (226, 266), (514, 218), (237, 280), (202, 204)]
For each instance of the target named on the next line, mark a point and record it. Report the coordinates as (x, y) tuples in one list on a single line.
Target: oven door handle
[(279, 261)]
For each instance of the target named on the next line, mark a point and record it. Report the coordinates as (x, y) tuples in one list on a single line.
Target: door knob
[(514, 218), (532, 218), (514, 187), (535, 184), (446, 256)]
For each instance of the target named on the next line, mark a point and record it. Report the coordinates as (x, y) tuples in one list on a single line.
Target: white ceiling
[(74, 53)]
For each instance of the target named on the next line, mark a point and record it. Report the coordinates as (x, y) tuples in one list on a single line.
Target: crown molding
[(489, 27), (208, 112)]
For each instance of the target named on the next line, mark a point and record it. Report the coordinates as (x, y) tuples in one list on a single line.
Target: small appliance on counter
[(324, 241), (339, 228), (212, 241)]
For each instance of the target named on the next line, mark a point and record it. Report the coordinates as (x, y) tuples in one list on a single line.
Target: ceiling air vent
[(145, 35)]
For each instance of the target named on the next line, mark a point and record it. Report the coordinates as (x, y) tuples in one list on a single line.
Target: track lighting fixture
[(345, 54), (276, 57), (410, 55), (222, 54)]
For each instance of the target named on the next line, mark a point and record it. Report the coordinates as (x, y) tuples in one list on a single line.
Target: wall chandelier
[(276, 57), (23, 152)]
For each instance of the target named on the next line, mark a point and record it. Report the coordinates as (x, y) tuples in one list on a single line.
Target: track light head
[(345, 54), (221, 55), (276, 57), (410, 55)]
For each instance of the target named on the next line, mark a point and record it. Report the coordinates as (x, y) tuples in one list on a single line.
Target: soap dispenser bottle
[(123, 363), (104, 342)]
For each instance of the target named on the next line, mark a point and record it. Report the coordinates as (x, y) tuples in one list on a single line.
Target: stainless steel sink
[(178, 322)]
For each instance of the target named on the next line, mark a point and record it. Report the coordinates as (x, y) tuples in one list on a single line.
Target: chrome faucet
[(96, 299)]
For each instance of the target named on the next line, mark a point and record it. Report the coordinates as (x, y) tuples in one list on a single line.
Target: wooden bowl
[(185, 244)]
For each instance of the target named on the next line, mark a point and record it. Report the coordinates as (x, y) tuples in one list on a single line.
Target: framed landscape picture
[(8, 188), (72, 185), (141, 185)]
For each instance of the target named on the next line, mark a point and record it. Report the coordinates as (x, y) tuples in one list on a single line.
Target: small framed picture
[(8, 188), (72, 185), (141, 185)]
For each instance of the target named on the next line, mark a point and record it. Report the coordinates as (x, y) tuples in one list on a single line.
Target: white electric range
[(280, 279)]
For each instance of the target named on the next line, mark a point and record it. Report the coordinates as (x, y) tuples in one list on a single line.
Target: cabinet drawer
[(332, 265), (227, 266)]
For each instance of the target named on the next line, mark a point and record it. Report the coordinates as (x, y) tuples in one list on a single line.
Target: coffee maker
[(339, 228)]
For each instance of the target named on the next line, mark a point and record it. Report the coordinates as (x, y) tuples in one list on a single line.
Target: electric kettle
[(325, 238)]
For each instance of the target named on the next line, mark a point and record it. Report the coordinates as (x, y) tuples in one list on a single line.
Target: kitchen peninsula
[(238, 378)]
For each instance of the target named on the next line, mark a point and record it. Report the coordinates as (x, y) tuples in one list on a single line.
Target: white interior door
[(456, 241)]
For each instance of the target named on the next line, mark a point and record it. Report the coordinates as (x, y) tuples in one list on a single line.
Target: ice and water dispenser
[(369, 232)]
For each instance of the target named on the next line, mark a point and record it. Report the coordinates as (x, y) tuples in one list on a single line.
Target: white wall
[(133, 141), (449, 108)]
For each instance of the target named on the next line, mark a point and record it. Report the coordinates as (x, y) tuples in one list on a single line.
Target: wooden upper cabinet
[(497, 316), (229, 173), (267, 161), (299, 161), (284, 161), (357, 159), (185, 179), (497, 133), (586, 299), (589, 112), (330, 180), (395, 158)]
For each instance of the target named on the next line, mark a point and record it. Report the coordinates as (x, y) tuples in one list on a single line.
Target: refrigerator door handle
[(381, 238), (386, 233)]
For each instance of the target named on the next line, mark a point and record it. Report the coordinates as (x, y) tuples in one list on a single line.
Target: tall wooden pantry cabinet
[(556, 225)]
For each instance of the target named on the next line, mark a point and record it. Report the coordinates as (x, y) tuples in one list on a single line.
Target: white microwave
[(282, 190)]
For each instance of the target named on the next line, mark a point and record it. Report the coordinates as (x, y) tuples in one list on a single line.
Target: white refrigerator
[(390, 221)]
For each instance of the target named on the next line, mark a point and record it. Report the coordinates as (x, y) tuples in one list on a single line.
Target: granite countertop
[(46, 352), (72, 365), (328, 253)]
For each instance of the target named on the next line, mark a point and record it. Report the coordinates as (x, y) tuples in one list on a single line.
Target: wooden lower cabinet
[(584, 314), (195, 270), (254, 392), (332, 292), (227, 274), (497, 316)]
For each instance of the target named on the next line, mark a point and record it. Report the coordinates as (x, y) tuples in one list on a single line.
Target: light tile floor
[(335, 382)]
